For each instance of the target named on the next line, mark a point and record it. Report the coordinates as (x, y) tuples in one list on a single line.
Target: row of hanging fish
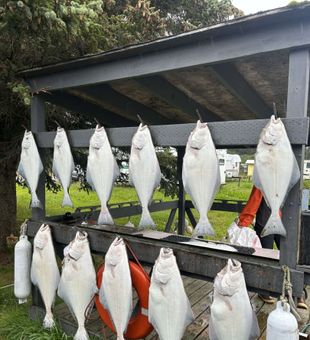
[(77, 283), (169, 310), (275, 172)]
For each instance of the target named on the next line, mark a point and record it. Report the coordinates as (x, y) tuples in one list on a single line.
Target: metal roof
[(233, 70)]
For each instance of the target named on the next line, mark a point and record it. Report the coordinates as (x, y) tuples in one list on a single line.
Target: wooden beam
[(297, 106), (181, 192), (106, 94), (240, 88), (162, 88), (236, 41), (79, 105), (38, 125), (261, 274), (240, 133)]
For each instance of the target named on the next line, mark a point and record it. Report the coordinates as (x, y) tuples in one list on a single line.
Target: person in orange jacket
[(257, 207)]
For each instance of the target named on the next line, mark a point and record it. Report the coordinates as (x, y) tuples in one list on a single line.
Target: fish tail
[(81, 334), (203, 228), (146, 219), (274, 225), (105, 217), (35, 202), (48, 321), (67, 200)]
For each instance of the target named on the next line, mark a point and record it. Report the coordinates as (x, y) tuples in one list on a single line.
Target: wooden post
[(181, 205), (38, 125), (297, 104)]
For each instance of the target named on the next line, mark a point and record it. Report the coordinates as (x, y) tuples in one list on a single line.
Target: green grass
[(220, 220)]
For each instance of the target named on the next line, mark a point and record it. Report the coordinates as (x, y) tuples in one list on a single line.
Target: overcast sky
[(254, 6)]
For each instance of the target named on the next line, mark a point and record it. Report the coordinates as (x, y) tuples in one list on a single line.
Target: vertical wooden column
[(297, 104), (181, 205), (38, 125)]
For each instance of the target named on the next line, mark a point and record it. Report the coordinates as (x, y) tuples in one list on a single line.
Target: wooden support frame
[(297, 104)]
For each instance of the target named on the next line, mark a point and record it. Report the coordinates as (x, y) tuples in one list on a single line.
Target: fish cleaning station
[(232, 73)]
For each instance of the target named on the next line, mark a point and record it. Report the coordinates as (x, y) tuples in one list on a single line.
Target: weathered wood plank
[(261, 274), (225, 134)]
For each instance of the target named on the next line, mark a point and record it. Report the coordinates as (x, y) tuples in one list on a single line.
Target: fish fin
[(158, 177), (189, 317), (256, 180), (295, 176), (89, 179), (255, 331), (20, 170), (67, 200), (103, 299), (203, 228), (211, 331), (48, 321), (146, 219), (116, 171), (274, 225), (105, 217), (215, 189), (81, 334), (35, 202), (54, 170)]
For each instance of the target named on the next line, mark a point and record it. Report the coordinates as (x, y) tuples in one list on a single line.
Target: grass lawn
[(220, 220)]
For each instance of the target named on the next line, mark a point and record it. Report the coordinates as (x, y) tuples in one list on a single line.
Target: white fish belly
[(64, 166), (169, 310), (101, 170), (45, 274), (117, 290), (200, 176), (77, 288), (274, 167), (144, 173), (231, 317)]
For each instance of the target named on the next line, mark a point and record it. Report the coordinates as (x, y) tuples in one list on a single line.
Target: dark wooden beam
[(297, 106), (261, 274), (240, 88), (237, 40), (107, 94), (162, 88), (239, 133), (80, 105)]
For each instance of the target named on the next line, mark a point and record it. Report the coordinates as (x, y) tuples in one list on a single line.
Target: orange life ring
[(138, 326)]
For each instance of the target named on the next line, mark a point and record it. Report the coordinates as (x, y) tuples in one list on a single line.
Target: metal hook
[(58, 125), (199, 116), (98, 123), (23, 126), (140, 119), (275, 112)]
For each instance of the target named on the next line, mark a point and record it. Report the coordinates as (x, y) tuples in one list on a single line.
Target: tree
[(39, 32)]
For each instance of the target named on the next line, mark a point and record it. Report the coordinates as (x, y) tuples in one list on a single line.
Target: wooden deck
[(200, 296)]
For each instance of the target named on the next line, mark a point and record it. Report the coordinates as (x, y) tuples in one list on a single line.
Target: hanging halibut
[(63, 164), (102, 171), (77, 285), (169, 308), (201, 175), (30, 167), (275, 172), (232, 316), (44, 271), (115, 293), (144, 171)]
